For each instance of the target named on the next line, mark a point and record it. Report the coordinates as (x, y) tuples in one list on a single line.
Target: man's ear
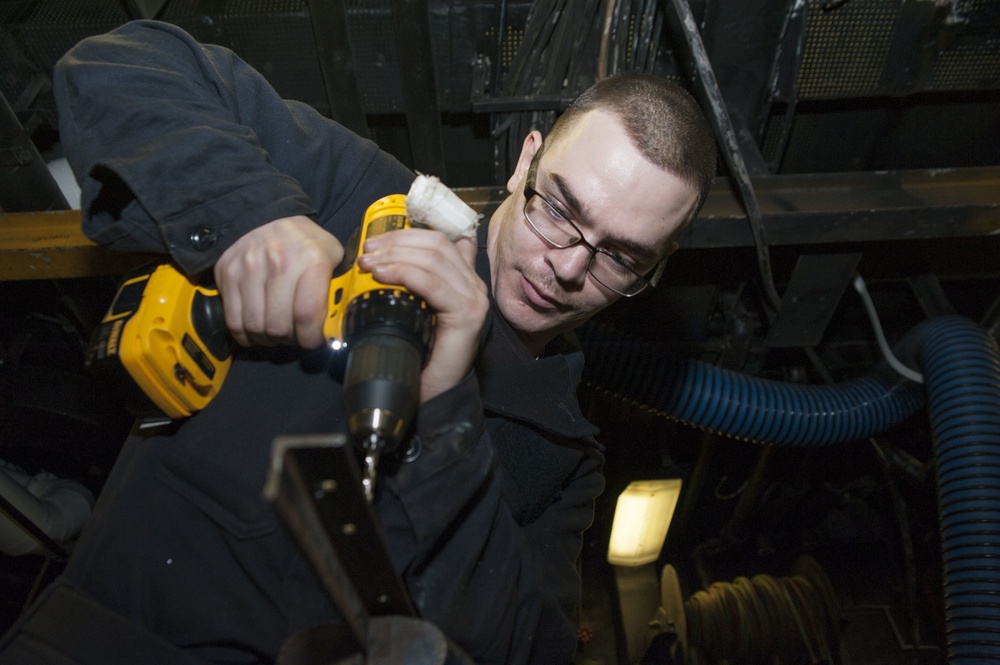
[(532, 144)]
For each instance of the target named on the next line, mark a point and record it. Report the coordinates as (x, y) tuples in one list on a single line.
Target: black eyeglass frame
[(646, 283)]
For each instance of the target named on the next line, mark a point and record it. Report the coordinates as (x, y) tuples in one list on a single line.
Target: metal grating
[(260, 31), (373, 41), (977, 11), (870, 48), (969, 66), (510, 45), (970, 59), (48, 29), (8, 10), (516, 16), (846, 49)]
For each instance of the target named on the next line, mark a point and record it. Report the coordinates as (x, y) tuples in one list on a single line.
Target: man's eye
[(554, 215), (621, 264)]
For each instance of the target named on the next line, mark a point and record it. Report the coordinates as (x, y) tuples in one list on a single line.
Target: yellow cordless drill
[(168, 333)]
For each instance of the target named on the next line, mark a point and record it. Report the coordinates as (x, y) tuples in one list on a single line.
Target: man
[(185, 150)]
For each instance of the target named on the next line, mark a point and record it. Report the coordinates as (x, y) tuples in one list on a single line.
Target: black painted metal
[(145, 9), (500, 27), (25, 523), (522, 103), (316, 485), (812, 209), (336, 61), (726, 133), (420, 94), (811, 298), (25, 182), (784, 81), (838, 208)]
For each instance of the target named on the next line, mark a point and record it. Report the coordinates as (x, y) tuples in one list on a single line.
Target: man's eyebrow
[(639, 252)]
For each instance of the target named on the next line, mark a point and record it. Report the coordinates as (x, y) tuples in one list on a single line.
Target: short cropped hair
[(664, 121)]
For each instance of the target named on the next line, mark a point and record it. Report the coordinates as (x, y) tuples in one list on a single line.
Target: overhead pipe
[(960, 362)]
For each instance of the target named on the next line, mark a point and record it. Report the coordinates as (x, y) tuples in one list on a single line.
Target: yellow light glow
[(642, 517)]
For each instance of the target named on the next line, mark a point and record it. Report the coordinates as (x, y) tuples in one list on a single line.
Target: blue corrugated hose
[(960, 362)]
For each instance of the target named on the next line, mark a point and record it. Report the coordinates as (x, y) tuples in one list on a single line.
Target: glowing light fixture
[(642, 517)]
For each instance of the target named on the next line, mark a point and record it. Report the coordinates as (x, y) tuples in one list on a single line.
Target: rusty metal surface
[(856, 207), (809, 209), (50, 245)]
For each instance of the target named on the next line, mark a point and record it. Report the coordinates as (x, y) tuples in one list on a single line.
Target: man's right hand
[(275, 282)]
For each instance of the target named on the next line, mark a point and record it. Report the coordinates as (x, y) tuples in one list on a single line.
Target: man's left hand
[(443, 273)]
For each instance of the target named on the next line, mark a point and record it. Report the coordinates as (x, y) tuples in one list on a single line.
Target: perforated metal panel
[(261, 31), (373, 40), (46, 30), (969, 58), (508, 47), (846, 48), (969, 66), (870, 48)]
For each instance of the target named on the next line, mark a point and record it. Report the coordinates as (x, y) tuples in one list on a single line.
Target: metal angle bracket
[(315, 484)]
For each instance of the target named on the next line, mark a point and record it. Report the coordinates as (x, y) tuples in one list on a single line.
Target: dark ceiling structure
[(856, 210)]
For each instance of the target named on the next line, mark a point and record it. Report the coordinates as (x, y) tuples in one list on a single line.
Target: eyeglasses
[(613, 272)]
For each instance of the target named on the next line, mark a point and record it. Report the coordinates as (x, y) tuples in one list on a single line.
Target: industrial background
[(829, 510)]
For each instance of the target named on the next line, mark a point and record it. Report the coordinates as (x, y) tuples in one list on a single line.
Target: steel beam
[(845, 209), (849, 208), (50, 245)]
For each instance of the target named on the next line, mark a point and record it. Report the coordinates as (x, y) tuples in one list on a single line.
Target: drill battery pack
[(163, 343)]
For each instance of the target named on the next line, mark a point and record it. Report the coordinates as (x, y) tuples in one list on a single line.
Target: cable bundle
[(788, 617), (566, 47)]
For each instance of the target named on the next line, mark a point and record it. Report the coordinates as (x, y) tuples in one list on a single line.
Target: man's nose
[(570, 264)]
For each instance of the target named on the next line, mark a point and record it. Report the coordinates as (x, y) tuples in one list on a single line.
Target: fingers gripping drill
[(166, 334)]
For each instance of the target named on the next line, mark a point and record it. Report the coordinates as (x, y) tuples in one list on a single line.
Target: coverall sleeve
[(181, 148), (503, 591)]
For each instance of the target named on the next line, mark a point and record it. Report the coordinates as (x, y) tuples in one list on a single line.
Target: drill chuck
[(388, 333)]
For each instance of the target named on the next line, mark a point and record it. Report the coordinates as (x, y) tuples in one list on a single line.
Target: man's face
[(620, 202)]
